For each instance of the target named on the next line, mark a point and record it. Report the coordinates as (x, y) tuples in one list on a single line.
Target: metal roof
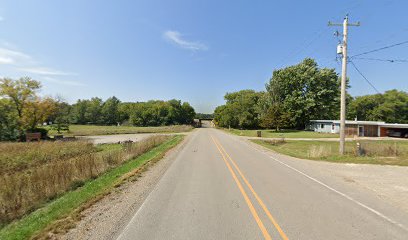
[(375, 123), (395, 125), (350, 122)]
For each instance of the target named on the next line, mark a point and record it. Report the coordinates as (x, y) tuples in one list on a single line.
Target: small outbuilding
[(360, 128)]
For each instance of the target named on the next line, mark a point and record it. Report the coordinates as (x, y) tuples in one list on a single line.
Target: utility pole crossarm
[(345, 25), (357, 24), (330, 24), (334, 24)]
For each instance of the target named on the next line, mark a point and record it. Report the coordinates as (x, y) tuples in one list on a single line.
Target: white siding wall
[(327, 127)]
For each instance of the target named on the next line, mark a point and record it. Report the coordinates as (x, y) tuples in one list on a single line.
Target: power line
[(382, 60), (302, 48), (379, 49), (368, 81)]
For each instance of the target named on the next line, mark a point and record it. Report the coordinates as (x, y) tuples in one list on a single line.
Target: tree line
[(297, 94), (113, 111), (23, 110)]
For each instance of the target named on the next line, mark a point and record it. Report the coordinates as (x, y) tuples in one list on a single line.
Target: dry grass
[(392, 149), (371, 152), (365, 149), (20, 156), (319, 151), (276, 142), (38, 176)]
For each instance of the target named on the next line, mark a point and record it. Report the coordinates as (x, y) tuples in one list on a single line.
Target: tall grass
[(44, 178), (366, 148), (392, 149), (370, 152), (20, 156), (319, 151)]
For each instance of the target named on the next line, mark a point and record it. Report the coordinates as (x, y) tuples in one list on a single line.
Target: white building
[(360, 128)]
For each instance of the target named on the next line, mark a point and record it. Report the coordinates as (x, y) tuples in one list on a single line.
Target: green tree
[(79, 112), (37, 112), (392, 107), (175, 112), (240, 110), (156, 113), (21, 93), (61, 116), (9, 129), (224, 116), (94, 110), (188, 113), (305, 92), (110, 111), (124, 110)]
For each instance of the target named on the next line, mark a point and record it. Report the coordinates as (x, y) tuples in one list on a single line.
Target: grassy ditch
[(282, 134), (89, 130), (371, 152), (101, 173)]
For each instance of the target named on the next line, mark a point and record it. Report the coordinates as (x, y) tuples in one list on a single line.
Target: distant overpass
[(199, 122)]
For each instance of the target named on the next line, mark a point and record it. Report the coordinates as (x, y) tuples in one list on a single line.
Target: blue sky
[(195, 51)]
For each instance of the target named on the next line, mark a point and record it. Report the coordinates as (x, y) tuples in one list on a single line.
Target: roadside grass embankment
[(371, 152), (33, 199), (89, 130), (288, 133)]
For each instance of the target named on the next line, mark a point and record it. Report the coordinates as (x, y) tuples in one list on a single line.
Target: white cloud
[(45, 71), (24, 62), (176, 38), (63, 82), (8, 56), (6, 60)]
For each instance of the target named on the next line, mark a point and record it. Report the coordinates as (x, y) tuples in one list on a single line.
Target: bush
[(60, 127)]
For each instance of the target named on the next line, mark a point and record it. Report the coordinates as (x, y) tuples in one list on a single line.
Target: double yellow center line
[(261, 226)]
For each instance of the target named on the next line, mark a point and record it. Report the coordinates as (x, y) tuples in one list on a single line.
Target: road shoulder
[(386, 182), (109, 216)]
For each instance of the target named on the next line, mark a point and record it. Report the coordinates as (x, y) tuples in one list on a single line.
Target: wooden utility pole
[(345, 25)]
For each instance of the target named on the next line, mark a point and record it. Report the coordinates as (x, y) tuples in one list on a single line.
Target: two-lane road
[(221, 187)]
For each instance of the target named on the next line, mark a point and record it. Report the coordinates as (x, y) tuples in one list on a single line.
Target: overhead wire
[(380, 49), (382, 60), (318, 35), (365, 78)]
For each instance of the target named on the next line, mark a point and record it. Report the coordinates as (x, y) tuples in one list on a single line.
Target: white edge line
[(334, 190), (267, 151)]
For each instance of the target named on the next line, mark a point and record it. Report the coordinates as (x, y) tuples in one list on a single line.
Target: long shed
[(360, 128)]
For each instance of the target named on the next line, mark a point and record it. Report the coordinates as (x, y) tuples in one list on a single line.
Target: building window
[(322, 125)]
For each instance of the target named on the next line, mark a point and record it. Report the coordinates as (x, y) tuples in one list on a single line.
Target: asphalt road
[(222, 187)]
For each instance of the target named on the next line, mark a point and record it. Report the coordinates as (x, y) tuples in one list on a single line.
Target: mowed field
[(89, 130), (372, 152), (282, 134)]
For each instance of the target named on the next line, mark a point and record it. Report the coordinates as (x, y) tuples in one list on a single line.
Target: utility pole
[(345, 25)]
